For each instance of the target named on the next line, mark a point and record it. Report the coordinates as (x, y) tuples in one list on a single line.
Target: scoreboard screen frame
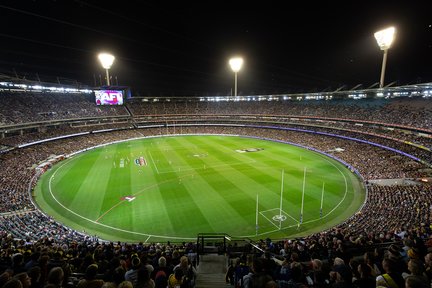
[(109, 97)]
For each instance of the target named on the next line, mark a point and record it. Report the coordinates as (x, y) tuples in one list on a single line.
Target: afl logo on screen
[(109, 97)]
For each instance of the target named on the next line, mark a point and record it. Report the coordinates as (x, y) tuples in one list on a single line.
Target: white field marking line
[(154, 164), (147, 239), (310, 221), (142, 190), (169, 148), (123, 230), (268, 232), (340, 202), (104, 225), (207, 166), (239, 161), (345, 194), (283, 212), (271, 222), (317, 219), (260, 234)]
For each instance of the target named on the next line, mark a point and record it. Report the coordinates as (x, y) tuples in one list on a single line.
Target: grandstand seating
[(383, 139)]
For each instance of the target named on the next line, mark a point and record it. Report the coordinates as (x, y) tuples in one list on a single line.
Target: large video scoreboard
[(114, 95)]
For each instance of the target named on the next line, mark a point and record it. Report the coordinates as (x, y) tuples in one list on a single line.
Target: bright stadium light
[(384, 39), (106, 61), (236, 64)]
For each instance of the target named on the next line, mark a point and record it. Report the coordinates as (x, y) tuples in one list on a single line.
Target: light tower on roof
[(384, 39)]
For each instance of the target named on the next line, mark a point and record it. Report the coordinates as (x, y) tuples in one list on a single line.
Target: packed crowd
[(372, 162), (400, 214), (404, 111), (27, 107)]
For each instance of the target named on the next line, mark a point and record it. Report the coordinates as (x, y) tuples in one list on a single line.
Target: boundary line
[(190, 238)]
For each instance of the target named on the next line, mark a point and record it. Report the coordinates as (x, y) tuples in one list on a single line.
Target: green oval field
[(172, 188)]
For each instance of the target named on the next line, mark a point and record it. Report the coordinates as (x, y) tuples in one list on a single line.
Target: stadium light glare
[(384, 39), (106, 60), (236, 64)]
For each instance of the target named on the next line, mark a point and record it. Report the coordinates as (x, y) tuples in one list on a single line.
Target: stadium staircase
[(214, 250), (212, 260), (211, 271)]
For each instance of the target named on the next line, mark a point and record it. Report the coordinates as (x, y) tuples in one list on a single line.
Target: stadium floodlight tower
[(384, 39), (106, 60), (236, 64)]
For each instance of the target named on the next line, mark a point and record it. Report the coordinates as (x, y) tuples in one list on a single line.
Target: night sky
[(182, 48)]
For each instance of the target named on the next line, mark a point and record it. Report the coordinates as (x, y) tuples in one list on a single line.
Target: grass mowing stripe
[(183, 202), (213, 205), (178, 201), (91, 193), (71, 180)]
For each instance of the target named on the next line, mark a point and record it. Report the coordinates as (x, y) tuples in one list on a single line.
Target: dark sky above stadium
[(183, 47)]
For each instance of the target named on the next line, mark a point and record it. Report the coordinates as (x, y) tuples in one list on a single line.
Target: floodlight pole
[(106, 60), (384, 62), (107, 75), (384, 39), (235, 83), (236, 64)]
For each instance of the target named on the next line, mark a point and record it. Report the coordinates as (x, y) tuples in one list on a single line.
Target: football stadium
[(222, 175), (132, 156)]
